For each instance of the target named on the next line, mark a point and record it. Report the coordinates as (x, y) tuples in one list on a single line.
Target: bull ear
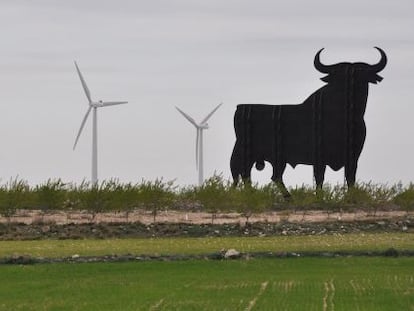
[(326, 79), (374, 78)]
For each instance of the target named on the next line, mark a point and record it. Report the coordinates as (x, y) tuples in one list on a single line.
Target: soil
[(197, 217), (31, 225)]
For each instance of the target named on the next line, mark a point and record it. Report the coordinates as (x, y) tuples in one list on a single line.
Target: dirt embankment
[(27, 260), (102, 230), (174, 216)]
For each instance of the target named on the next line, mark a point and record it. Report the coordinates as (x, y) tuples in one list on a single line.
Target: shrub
[(127, 199), (302, 198), (405, 199), (94, 198), (50, 196), (330, 199), (250, 199), (358, 195), (13, 196), (156, 195), (213, 195)]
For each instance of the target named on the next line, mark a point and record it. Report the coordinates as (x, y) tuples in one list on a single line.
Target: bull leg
[(239, 172), (319, 174), (235, 173), (236, 166), (246, 174), (278, 179), (350, 174), (236, 178)]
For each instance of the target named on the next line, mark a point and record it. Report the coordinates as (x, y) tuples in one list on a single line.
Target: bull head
[(363, 72)]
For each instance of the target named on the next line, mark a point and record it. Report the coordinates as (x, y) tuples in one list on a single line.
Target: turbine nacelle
[(97, 104), (101, 103), (203, 126)]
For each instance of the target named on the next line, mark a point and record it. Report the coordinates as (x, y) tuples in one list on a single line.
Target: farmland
[(146, 247), (173, 246), (279, 284), (162, 283)]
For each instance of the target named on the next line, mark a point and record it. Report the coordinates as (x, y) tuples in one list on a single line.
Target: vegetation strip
[(180, 245), (191, 246), (214, 196), (14, 231), (115, 250), (27, 260)]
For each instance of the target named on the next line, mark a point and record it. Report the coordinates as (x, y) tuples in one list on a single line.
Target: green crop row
[(351, 242), (214, 196), (349, 283)]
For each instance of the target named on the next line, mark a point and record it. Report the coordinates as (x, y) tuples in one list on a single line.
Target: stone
[(45, 229), (231, 254), (20, 259)]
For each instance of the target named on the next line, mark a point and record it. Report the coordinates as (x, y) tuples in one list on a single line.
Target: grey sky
[(193, 54)]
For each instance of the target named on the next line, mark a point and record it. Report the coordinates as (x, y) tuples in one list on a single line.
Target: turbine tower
[(203, 125), (93, 105)]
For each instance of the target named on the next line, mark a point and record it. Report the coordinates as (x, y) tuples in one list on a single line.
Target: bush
[(127, 199), (13, 196), (358, 195), (156, 195), (213, 195), (405, 199), (250, 199), (50, 196), (93, 198), (303, 197)]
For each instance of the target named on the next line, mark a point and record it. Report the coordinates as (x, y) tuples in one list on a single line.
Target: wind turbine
[(93, 105), (203, 125)]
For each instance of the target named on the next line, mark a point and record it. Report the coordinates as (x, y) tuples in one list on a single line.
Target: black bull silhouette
[(328, 128)]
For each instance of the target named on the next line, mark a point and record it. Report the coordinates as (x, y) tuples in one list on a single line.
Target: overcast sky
[(193, 54)]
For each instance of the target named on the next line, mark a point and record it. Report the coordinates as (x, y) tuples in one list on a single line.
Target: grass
[(345, 283), (171, 246), (278, 284)]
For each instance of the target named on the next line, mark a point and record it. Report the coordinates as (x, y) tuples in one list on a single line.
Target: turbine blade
[(81, 127), (197, 146), (187, 117), (104, 104), (210, 114), (85, 87)]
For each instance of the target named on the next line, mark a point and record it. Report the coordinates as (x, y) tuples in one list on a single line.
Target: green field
[(356, 283), (168, 246), (344, 283)]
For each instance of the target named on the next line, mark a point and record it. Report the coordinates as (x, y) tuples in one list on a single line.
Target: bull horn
[(381, 64), (319, 66)]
